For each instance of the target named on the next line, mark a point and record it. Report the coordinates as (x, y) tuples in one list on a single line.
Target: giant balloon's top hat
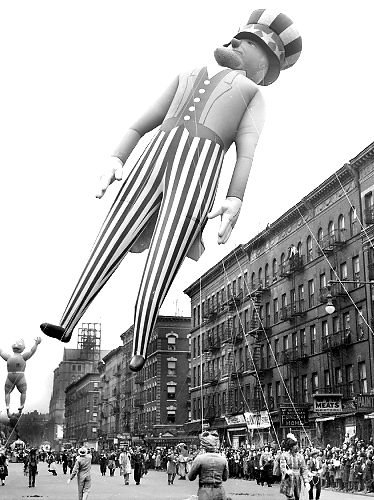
[(277, 35)]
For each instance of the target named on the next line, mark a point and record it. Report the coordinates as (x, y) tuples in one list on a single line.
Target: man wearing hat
[(295, 475), (82, 469), (314, 465), (167, 197), (211, 467)]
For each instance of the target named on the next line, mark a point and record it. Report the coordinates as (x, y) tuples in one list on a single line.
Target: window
[(360, 324), (194, 347), (79, 368), (362, 377), (314, 382), (285, 343), (341, 223), (172, 339), (338, 376), (325, 329), (335, 324), (283, 262), (331, 230), (276, 349), (198, 345), (275, 270), (267, 278), (260, 277), (94, 416), (352, 221), (320, 236), (309, 249), (311, 293), (347, 324), (73, 368), (94, 430), (349, 378), (343, 271), (296, 389), (172, 367), (326, 376), (276, 310), (322, 281), (304, 383), (171, 416), (278, 391), (313, 339), (253, 281), (171, 389), (356, 268), (194, 317), (303, 340), (96, 385)]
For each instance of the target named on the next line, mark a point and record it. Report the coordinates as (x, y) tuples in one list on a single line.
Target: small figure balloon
[(168, 196), (16, 364)]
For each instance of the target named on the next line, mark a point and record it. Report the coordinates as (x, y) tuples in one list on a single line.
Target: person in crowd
[(171, 467), (64, 461), (125, 464), (31, 466), (211, 467), (3, 466), (266, 467), (315, 468), (293, 468), (138, 461), (103, 462), (82, 469), (51, 461), (112, 464)]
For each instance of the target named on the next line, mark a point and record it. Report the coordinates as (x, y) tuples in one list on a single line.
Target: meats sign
[(327, 403)]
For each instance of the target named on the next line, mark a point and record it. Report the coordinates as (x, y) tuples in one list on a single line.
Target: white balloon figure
[(16, 364)]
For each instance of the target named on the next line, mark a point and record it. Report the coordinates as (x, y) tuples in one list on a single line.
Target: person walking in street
[(211, 467), (293, 468), (315, 469), (82, 469), (171, 467), (52, 464), (112, 464), (103, 461), (125, 464), (31, 465), (3, 466), (138, 465)]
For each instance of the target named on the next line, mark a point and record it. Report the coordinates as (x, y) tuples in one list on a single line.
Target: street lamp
[(330, 308)]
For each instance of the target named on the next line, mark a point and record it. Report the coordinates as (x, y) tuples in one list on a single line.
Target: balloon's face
[(18, 346), (247, 55)]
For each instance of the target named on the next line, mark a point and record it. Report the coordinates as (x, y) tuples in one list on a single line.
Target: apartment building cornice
[(215, 271)]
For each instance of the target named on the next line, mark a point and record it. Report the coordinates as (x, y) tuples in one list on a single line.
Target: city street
[(153, 486)]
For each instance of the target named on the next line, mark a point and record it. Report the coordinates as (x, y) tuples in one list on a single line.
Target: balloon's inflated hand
[(229, 212), (112, 171)]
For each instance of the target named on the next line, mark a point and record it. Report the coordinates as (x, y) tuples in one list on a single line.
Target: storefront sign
[(293, 416), (365, 401), (327, 403), (258, 420), (235, 420)]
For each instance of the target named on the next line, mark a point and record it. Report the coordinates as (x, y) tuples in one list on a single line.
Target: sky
[(77, 74)]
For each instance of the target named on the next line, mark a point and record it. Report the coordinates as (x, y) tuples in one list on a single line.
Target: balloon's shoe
[(56, 332), (137, 362)]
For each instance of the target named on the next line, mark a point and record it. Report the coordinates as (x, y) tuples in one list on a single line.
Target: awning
[(236, 429), (324, 419)]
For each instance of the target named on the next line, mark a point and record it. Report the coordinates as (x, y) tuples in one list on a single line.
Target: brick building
[(156, 400), (262, 340), (81, 411)]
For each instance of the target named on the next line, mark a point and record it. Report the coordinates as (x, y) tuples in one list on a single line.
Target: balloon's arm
[(27, 355), (4, 355), (151, 119), (246, 141)]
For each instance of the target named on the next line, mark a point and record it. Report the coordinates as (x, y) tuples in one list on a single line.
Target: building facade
[(75, 364), (111, 374), (262, 339), (82, 411), (155, 402)]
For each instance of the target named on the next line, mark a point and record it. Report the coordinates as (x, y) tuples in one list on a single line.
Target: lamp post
[(330, 308), (115, 408)]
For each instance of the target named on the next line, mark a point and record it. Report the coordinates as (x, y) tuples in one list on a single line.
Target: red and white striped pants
[(177, 177)]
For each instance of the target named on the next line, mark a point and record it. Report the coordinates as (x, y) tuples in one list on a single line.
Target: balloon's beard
[(228, 58)]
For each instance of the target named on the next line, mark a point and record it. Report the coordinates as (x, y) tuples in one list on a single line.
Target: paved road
[(153, 486)]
